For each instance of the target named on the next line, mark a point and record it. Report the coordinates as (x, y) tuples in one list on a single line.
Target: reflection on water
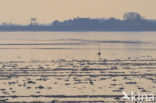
[(63, 66), (60, 45)]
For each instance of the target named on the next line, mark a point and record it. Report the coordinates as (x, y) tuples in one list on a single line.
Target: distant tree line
[(131, 18), (132, 21)]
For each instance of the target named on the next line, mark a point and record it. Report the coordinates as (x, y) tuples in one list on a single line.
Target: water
[(25, 46), (64, 66)]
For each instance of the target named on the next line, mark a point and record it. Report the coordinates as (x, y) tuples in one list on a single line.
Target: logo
[(138, 97), (125, 96)]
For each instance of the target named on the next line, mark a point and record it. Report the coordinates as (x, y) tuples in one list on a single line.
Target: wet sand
[(76, 80), (63, 66)]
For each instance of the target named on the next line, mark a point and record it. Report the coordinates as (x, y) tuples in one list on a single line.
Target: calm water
[(25, 46), (63, 66)]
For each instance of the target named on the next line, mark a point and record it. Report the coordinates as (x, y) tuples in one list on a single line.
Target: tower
[(33, 21)]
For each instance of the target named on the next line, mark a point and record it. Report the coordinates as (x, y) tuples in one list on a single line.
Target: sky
[(46, 11)]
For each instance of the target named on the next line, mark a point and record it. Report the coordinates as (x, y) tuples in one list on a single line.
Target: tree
[(56, 23), (132, 16)]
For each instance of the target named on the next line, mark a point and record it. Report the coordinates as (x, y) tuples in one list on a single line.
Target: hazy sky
[(20, 11)]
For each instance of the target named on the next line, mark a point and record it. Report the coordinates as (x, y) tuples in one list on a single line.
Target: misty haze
[(77, 51)]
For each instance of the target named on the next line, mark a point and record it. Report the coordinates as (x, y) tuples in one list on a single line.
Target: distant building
[(33, 21)]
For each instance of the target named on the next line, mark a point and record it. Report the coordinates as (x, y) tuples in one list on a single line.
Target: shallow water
[(63, 66), (78, 45)]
